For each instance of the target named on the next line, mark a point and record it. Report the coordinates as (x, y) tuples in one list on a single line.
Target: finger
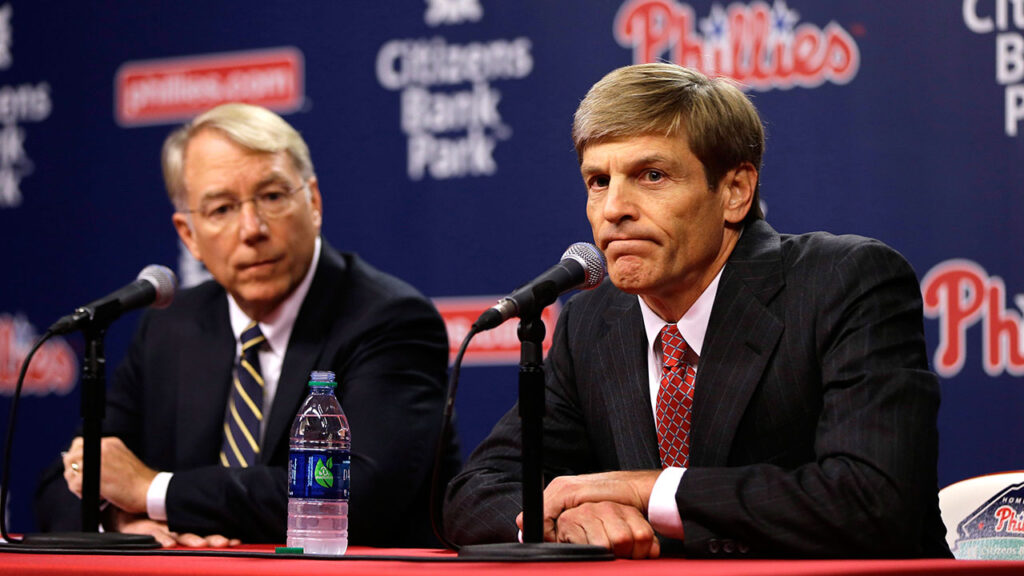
[(74, 481), (634, 528), (192, 540), (163, 537), (619, 535), (597, 535), (632, 534), (655, 550), (73, 454), (555, 498), (216, 541), (549, 534), (571, 532)]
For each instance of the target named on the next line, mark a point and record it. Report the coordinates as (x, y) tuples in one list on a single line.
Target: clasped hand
[(607, 509), (124, 483)]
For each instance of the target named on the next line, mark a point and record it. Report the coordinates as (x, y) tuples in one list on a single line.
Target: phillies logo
[(959, 293), (493, 347), (995, 529), (762, 46), (54, 368), (1009, 521)]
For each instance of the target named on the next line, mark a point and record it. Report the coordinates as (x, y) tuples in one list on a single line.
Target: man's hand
[(607, 509), (124, 479), (620, 528), (115, 520)]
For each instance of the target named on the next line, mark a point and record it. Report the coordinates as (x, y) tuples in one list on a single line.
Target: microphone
[(582, 267), (154, 287)]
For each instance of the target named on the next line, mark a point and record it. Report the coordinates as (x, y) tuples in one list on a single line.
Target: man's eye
[(220, 209), (653, 176), (599, 182), (272, 197)]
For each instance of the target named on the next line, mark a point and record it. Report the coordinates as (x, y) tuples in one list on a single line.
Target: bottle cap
[(322, 378)]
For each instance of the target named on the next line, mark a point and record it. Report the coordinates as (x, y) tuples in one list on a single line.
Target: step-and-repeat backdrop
[(440, 134)]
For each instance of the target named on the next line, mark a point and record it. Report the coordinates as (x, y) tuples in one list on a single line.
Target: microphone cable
[(9, 439), (437, 489)]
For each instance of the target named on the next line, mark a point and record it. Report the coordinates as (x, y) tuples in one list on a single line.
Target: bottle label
[(319, 474)]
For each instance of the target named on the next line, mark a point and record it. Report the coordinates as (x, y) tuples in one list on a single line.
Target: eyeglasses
[(220, 212)]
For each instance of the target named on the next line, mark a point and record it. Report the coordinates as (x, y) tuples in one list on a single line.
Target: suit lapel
[(625, 384), (742, 335), (305, 346), (205, 358)]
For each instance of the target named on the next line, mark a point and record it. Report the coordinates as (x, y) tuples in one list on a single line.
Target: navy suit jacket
[(389, 348), (814, 424)]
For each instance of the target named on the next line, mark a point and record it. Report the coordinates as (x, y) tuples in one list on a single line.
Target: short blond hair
[(251, 127), (722, 126)]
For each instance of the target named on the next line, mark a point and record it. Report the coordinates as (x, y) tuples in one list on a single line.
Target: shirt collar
[(694, 323), (277, 326)]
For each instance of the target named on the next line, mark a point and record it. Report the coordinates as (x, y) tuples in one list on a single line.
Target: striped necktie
[(675, 398), (241, 445)]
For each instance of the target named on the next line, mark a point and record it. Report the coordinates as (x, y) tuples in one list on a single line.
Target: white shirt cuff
[(662, 510), (156, 497)]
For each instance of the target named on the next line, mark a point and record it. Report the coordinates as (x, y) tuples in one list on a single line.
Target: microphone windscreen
[(592, 261), (163, 280)]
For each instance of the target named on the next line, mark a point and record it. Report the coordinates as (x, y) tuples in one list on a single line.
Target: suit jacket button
[(713, 546), (729, 547), (744, 548)]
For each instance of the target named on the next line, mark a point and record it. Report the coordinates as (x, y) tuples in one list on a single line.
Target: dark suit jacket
[(389, 349), (814, 426)]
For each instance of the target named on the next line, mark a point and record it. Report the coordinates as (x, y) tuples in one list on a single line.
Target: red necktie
[(675, 398)]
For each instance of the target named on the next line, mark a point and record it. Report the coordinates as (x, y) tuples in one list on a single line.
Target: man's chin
[(263, 297), (628, 283), (629, 275)]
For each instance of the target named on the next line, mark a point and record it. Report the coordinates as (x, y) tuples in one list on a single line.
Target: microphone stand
[(531, 413), (93, 410)]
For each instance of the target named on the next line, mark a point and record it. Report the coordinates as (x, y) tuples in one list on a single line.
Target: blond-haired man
[(730, 390)]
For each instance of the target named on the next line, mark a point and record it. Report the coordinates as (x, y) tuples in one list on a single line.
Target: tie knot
[(673, 347), (252, 336)]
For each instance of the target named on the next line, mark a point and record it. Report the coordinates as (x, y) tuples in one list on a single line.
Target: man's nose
[(619, 201), (250, 222)]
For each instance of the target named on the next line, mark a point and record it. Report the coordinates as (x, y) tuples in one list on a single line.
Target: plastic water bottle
[(318, 472)]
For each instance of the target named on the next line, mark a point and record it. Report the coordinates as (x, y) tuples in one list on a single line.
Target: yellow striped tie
[(245, 407)]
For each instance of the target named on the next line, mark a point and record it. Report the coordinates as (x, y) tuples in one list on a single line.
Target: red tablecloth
[(422, 562)]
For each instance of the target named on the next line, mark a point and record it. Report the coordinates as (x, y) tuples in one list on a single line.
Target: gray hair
[(251, 127)]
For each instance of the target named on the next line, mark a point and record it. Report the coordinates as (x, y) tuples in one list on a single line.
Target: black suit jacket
[(814, 425), (389, 348)]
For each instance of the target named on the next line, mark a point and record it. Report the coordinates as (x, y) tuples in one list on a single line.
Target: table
[(251, 560)]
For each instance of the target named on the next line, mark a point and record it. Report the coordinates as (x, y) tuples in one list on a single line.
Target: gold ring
[(75, 467)]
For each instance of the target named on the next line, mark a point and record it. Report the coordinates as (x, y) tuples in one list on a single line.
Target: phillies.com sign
[(175, 89)]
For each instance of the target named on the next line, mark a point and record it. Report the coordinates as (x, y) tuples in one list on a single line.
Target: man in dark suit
[(175, 462), (730, 391)]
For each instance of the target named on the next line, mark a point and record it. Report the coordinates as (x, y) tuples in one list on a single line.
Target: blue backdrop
[(440, 135)]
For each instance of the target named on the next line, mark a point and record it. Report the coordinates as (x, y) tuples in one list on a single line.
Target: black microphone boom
[(582, 267), (154, 287)]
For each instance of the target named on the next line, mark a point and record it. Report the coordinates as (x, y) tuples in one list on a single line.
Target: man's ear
[(187, 234), (316, 202), (737, 188)]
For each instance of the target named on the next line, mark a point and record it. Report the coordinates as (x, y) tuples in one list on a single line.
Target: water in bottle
[(318, 472)]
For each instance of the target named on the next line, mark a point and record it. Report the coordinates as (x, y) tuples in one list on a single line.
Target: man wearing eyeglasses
[(183, 457)]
